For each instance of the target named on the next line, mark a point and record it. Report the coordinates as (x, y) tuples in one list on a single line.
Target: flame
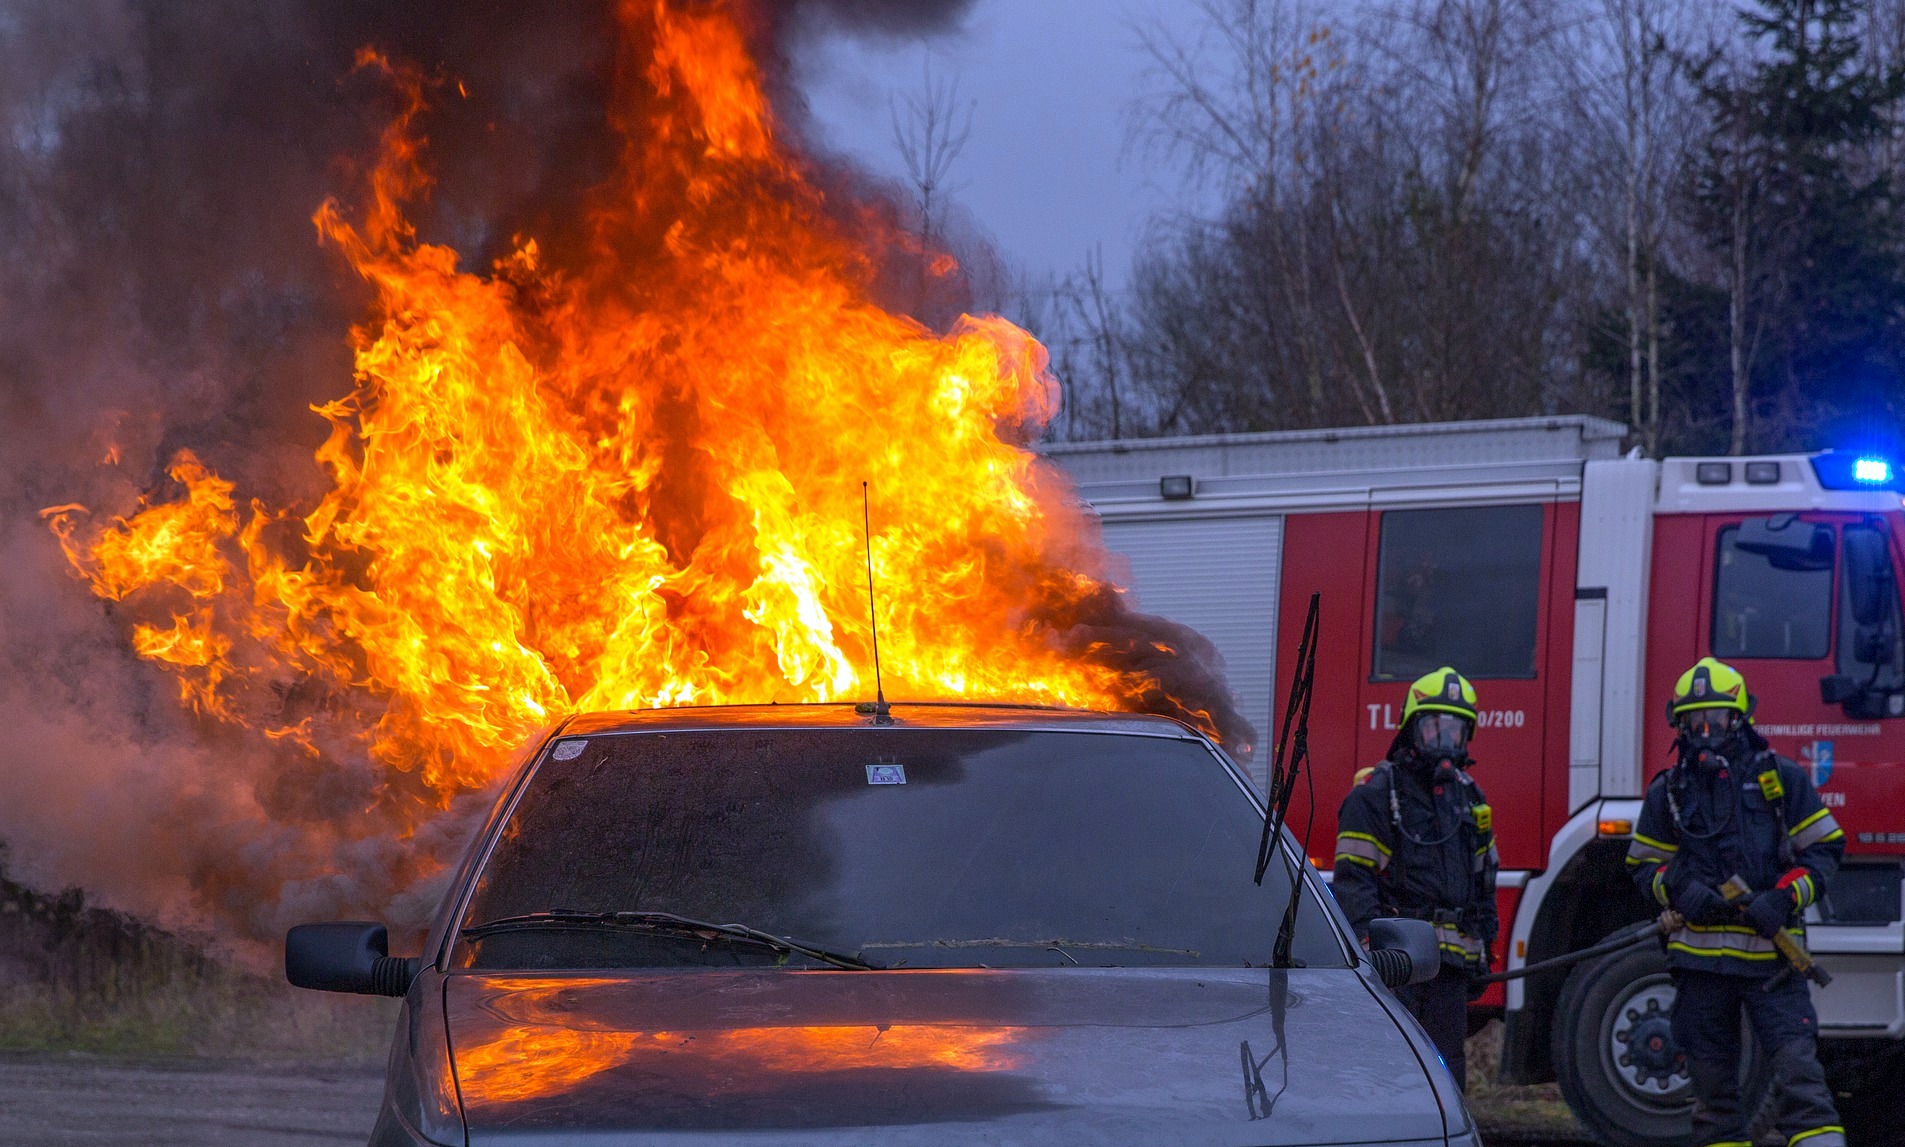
[(528, 1062), (631, 483), (167, 543)]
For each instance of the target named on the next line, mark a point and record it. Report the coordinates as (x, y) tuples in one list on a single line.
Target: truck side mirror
[(1868, 629), (1786, 542), (1860, 703), (1868, 577), (1404, 951), (346, 956), (1838, 688)]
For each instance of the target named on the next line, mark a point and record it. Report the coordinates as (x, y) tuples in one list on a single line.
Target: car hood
[(1195, 1056)]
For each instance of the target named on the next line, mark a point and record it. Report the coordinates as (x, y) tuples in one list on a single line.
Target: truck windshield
[(908, 847)]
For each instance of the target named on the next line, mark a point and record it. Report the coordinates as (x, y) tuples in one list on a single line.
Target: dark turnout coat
[(1410, 844), (1759, 819)]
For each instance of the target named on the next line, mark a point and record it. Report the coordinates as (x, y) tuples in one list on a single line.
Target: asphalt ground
[(47, 1100)]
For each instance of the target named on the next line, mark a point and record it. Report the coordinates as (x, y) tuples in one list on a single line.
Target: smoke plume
[(163, 289)]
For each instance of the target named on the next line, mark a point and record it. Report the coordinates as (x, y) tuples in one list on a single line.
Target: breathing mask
[(1441, 736), (1707, 732)]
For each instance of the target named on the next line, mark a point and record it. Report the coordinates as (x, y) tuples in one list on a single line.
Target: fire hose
[(1620, 941), (1797, 959)]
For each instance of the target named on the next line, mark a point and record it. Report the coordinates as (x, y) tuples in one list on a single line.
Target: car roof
[(903, 715)]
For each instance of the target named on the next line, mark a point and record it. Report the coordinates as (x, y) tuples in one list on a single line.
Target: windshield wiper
[(1296, 717), (1050, 945), (661, 923)]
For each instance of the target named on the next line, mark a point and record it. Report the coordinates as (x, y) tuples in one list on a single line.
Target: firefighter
[(1730, 807), (1415, 838)]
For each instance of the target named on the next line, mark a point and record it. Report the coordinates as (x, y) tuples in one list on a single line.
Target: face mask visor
[(1709, 729), (1443, 735)]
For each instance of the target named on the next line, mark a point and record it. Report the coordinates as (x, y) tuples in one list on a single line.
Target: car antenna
[(1293, 746), (882, 713)]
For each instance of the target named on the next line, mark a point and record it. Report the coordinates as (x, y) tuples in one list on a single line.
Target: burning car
[(934, 924)]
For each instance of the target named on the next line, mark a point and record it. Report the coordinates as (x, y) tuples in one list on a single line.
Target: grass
[(1525, 1113), (227, 1015), (81, 979)]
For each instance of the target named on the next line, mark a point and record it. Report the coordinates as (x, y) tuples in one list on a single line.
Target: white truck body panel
[(1220, 578), (1615, 556)]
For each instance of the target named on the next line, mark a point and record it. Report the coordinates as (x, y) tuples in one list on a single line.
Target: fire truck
[(1572, 583)]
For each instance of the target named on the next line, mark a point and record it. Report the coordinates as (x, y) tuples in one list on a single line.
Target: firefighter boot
[(1803, 1102)]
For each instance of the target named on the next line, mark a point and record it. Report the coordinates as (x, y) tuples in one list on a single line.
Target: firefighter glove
[(1477, 968), (1770, 910), (1700, 903)]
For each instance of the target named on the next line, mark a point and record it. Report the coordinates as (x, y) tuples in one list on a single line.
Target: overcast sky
[(1046, 170)]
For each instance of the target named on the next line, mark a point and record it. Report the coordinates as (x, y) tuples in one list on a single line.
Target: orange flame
[(527, 1062), (169, 543), (632, 484)]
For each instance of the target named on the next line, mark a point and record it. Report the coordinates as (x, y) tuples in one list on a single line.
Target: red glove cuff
[(1800, 885)]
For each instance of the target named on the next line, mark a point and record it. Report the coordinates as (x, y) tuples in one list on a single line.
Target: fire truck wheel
[(1615, 1057)]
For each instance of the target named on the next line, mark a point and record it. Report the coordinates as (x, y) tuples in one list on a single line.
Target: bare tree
[(1731, 179), (930, 129), (959, 269), (1091, 303), (1246, 107), (1633, 110), (1393, 246), (1473, 208)]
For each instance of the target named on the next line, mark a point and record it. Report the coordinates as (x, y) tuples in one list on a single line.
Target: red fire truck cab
[(1572, 583)]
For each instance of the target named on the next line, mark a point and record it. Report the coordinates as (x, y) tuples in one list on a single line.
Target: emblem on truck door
[(1818, 758)]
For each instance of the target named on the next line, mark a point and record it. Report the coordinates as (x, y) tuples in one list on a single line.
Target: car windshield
[(908, 847)]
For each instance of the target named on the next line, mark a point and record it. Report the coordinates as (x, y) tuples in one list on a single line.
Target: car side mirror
[(346, 956), (1404, 951)]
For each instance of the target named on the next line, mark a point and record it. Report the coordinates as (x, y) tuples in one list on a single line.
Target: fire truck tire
[(1614, 1054)]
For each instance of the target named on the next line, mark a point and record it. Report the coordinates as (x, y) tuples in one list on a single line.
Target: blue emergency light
[(1855, 471)]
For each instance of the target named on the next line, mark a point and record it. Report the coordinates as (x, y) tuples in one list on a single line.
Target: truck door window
[(1458, 587), (1770, 604), (1872, 648)]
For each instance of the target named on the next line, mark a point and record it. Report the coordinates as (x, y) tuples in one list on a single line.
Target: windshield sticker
[(569, 750), (886, 774)]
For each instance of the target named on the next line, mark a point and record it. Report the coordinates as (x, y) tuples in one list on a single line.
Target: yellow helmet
[(1710, 684), (1443, 691)]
